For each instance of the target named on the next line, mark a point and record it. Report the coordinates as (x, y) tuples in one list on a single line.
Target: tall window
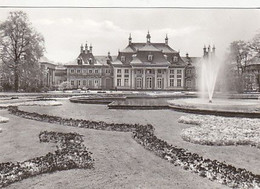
[(90, 60), (118, 70), (90, 71), (178, 82), (72, 71), (159, 83), (118, 82), (171, 82), (175, 59), (96, 71), (138, 83), (78, 82), (72, 82), (122, 58), (126, 82), (84, 82), (126, 71), (149, 82), (78, 71)]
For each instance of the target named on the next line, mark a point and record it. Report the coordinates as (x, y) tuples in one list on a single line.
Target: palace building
[(139, 66), (151, 66)]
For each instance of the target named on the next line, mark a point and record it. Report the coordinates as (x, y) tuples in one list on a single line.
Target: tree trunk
[(16, 78)]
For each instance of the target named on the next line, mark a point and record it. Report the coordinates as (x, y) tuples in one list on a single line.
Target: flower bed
[(216, 130), (70, 154), (32, 103), (3, 119), (144, 135), (98, 125)]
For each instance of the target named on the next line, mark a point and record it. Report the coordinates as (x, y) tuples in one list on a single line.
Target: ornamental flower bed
[(216, 130), (98, 125), (144, 135), (3, 119), (70, 154), (32, 103)]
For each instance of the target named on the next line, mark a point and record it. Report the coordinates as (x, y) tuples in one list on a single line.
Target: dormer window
[(90, 60), (175, 59), (122, 58), (150, 57), (79, 61)]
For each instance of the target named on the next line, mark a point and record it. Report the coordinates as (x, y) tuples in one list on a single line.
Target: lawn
[(166, 127), (119, 161)]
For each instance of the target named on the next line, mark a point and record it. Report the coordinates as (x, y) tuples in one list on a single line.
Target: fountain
[(208, 72)]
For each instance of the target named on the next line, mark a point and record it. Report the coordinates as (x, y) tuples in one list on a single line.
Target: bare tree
[(20, 46)]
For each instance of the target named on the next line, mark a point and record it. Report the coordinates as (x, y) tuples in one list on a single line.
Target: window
[(178, 76), (149, 82), (159, 83), (122, 58), (148, 71), (72, 71), (118, 75), (78, 71), (188, 71), (96, 71), (150, 57), (84, 71), (72, 82), (96, 81), (126, 83), (178, 82), (107, 70), (90, 60), (118, 70), (175, 59), (171, 76), (139, 71), (118, 82), (159, 71), (139, 83), (171, 71), (188, 83), (90, 71), (84, 82), (126, 75), (171, 82), (126, 71), (78, 82), (179, 71)]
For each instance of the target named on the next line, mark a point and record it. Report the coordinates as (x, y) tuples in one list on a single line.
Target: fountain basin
[(222, 107)]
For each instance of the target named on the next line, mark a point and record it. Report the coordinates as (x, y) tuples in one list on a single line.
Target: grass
[(119, 161)]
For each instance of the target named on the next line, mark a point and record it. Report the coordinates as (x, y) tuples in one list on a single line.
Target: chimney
[(148, 37), (81, 48), (204, 51), (86, 47), (90, 48), (166, 40), (130, 39)]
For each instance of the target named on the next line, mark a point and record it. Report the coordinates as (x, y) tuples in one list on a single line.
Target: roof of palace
[(133, 47)]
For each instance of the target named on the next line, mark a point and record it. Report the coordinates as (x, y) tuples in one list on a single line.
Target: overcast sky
[(107, 29)]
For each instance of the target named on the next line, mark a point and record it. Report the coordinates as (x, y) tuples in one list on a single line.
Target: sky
[(108, 29)]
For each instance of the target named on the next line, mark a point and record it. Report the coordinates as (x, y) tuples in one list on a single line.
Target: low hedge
[(70, 154)]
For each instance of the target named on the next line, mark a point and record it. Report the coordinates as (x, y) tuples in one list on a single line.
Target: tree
[(20, 48), (254, 44)]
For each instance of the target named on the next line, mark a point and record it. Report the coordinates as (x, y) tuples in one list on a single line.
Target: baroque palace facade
[(139, 66)]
